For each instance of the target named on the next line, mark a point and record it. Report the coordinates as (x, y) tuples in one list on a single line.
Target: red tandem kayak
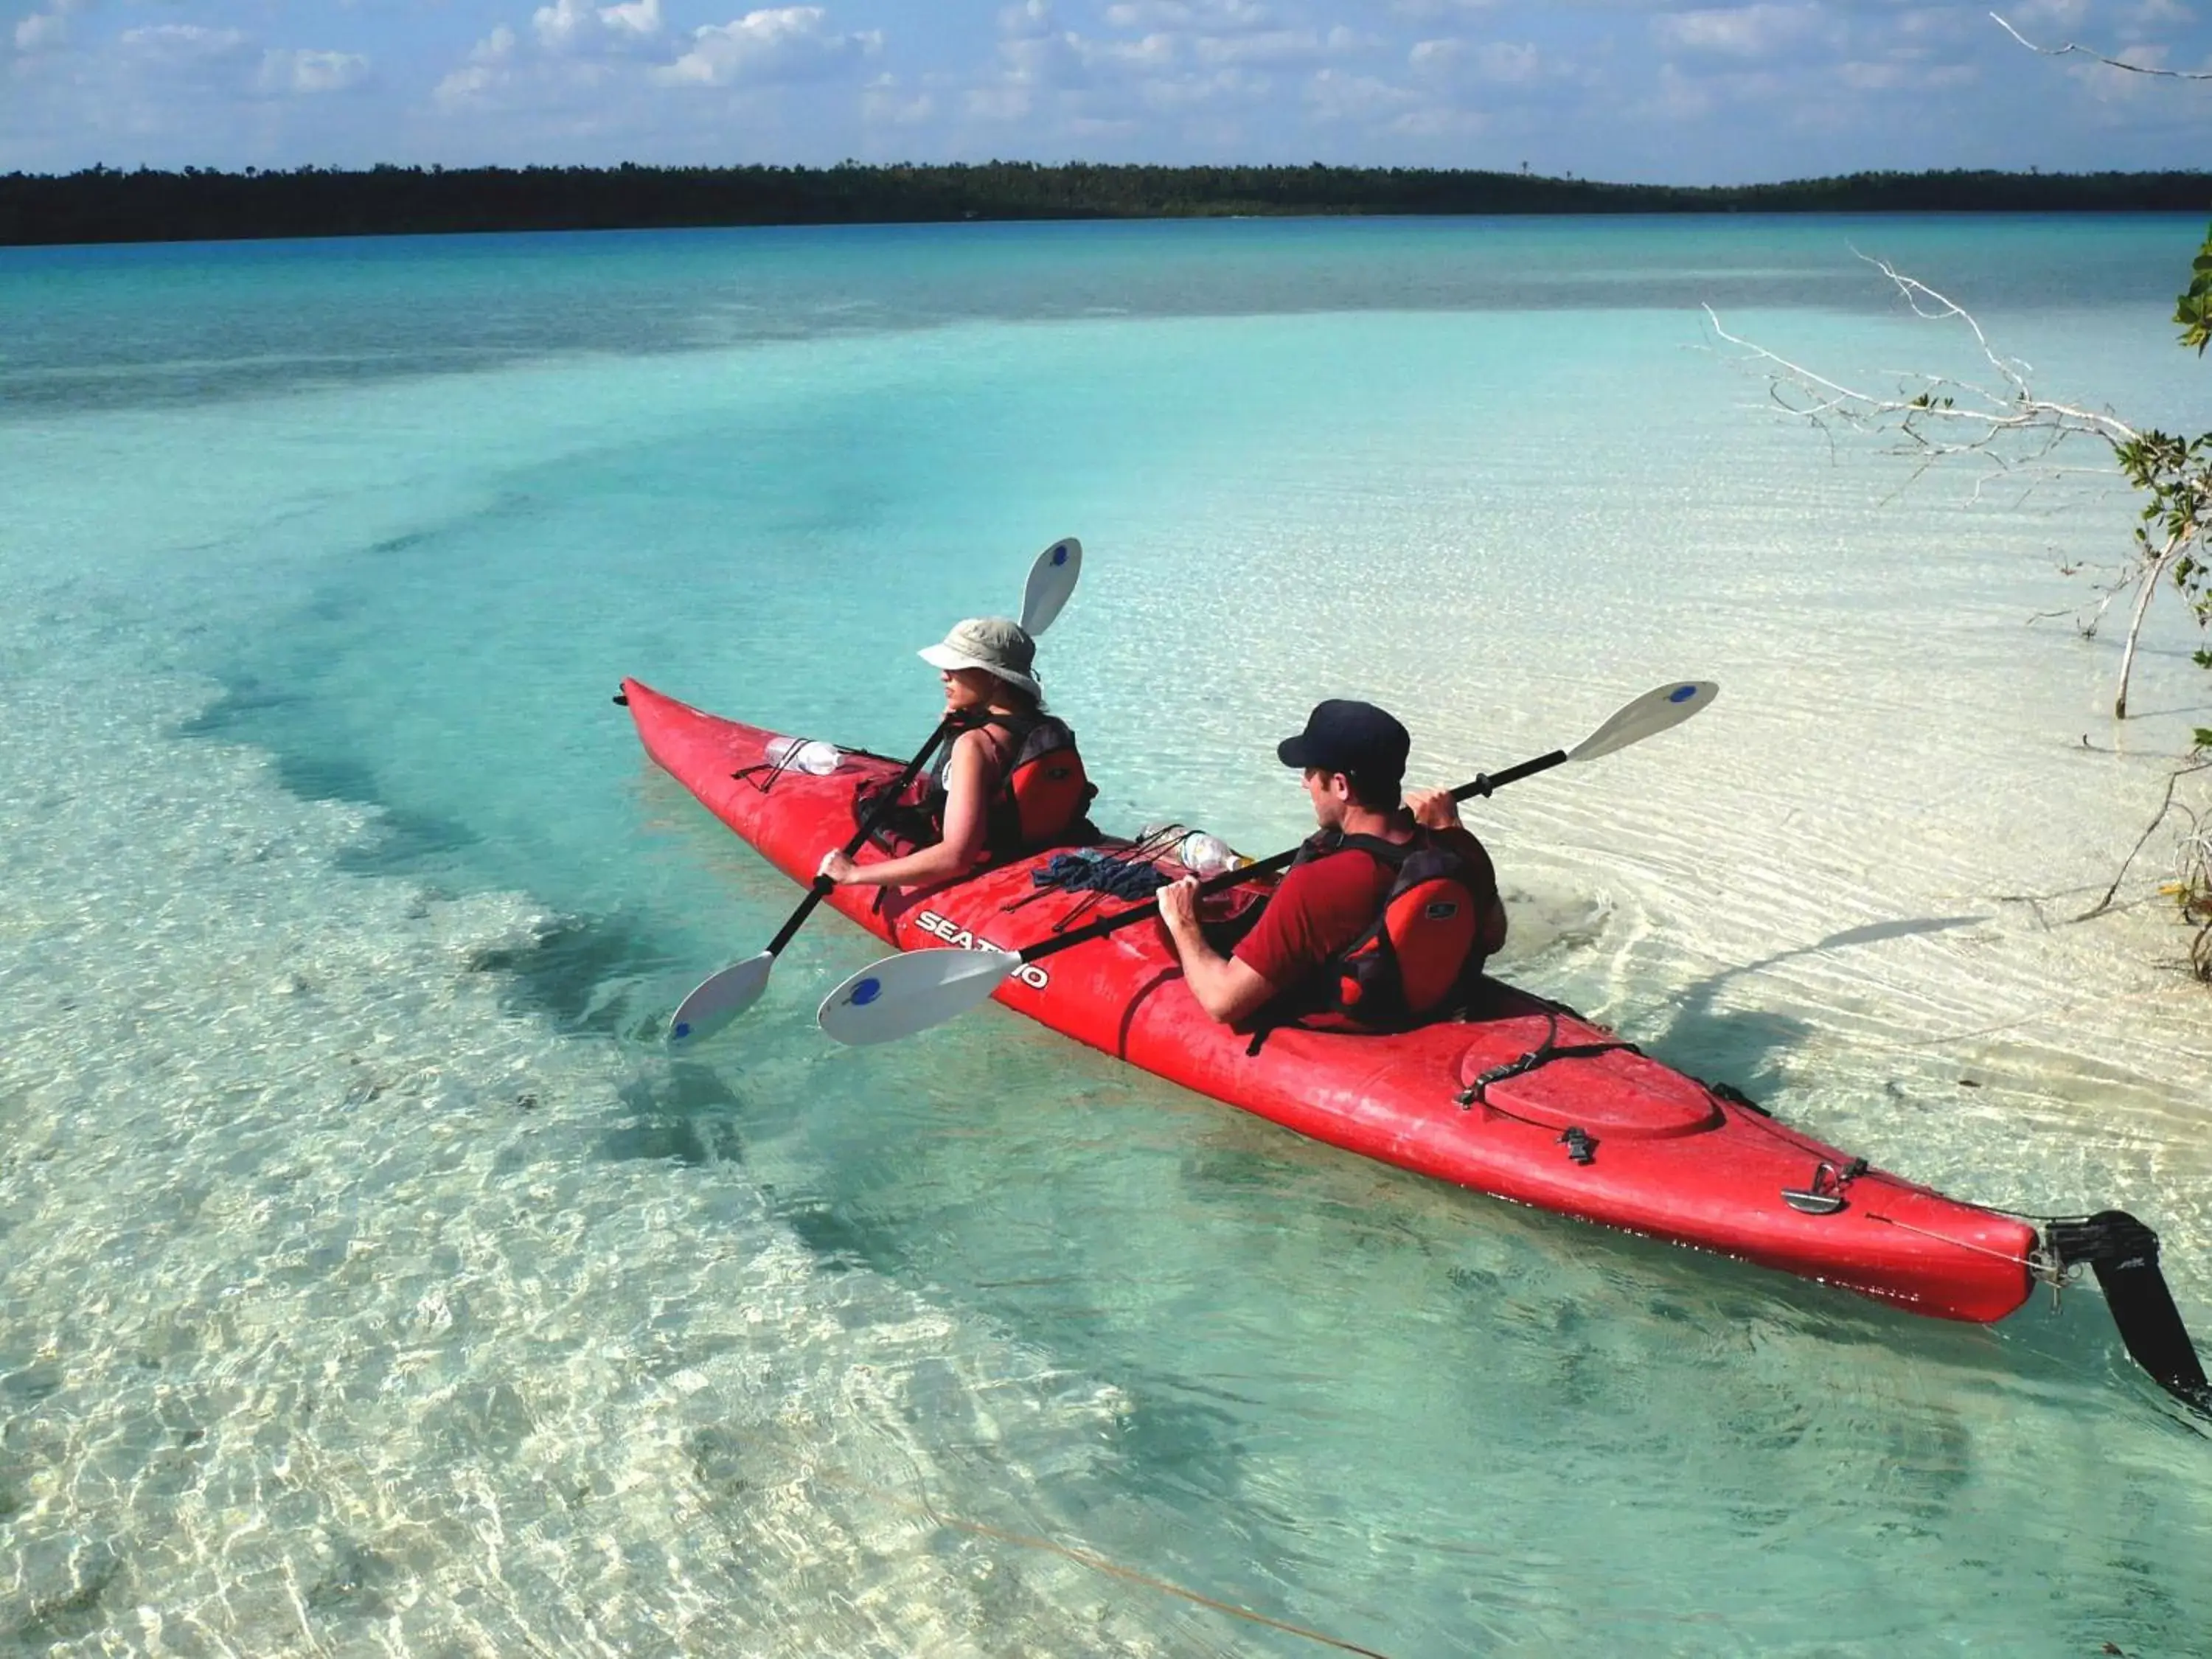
[(1522, 1099)]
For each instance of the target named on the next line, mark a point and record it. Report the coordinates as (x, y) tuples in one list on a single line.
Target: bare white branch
[(2002, 427), (2113, 62), (1934, 416)]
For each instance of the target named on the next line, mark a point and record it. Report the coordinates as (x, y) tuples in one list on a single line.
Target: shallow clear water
[(377, 1282)]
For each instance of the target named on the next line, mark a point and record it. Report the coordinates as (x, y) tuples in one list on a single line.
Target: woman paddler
[(1009, 781)]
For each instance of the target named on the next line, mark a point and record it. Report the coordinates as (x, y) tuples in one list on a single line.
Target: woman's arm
[(967, 814)]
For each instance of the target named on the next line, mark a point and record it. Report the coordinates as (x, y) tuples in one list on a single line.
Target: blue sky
[(1600, 88)]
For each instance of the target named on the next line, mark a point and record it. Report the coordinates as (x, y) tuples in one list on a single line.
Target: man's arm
[(1435, 808), (1228, 990)]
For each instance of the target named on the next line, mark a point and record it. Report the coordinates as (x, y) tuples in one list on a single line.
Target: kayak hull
[(1588, 1127)]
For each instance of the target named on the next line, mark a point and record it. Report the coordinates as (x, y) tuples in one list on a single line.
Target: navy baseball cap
[(1349, 737)]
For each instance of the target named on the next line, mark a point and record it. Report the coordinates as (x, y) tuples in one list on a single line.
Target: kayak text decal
[(960, 938)]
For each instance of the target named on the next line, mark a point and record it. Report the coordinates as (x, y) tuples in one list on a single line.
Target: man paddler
[(1389, 913)]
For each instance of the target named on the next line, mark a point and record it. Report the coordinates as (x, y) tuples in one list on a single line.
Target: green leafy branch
[(2174, 476), (2192, 888), (2194, 313)]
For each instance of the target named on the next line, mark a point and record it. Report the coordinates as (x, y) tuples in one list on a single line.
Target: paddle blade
[(1649, 714), (1052, 580), (899, 995), (719, 1001)]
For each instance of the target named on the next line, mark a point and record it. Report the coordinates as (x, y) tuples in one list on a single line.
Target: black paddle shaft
[(883, 803), (1227, 878)]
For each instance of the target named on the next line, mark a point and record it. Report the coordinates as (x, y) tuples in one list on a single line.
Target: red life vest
[(1405, 968), (1040, 797)]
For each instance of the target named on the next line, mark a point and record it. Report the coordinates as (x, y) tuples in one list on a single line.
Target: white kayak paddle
[(1052, 580), (899, 995), (719, 998)]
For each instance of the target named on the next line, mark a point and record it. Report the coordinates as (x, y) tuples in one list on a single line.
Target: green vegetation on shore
[(103, 204)]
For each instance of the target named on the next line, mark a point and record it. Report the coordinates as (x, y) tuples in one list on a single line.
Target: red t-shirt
[(1319, 907)]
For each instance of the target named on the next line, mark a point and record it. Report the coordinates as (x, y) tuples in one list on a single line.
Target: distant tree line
[(106, 204)]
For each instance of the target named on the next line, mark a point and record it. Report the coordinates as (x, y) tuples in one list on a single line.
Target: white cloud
[(1205, 17), (1493, 60), (2159, 13), (490, 65), (1952, 30), (1897, 72), (1502, 60), (183, 43), (45, 31), (1424, 11), (641, 17), (578, 26), (1153, 52), (1271, 46), (1008, 100), (1739, 31), (789, 43), (1673, 98), (1188, 53), (310, 72), (1334, 95), (563, 23), (1193, 92), (1437, 57), (464, 86), (1197, 63), (1441, 121), (577, 54), (2047, 14), (41, 31), (884, 102)]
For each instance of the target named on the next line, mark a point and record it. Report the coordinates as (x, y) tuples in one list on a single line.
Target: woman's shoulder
[(986, 742)]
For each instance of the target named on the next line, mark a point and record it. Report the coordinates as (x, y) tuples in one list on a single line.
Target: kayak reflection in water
[(1388, 913), (1010, 781)]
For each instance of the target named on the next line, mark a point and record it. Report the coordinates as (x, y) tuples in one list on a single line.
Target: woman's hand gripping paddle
[(718, 1001), (898, 995)]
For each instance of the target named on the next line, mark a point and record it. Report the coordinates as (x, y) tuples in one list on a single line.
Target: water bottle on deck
[(1206, 856), (808, 755)]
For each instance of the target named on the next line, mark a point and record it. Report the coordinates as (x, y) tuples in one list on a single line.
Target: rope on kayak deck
[(1946, 1239), (1132, 873), (1100, 1564)]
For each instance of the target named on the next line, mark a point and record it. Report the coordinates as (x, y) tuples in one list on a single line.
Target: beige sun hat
[(993, 644)]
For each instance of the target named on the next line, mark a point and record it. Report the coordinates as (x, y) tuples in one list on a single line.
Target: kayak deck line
[(1595, 1128)]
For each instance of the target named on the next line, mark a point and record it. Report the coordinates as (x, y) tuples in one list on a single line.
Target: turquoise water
[(377, 1282)]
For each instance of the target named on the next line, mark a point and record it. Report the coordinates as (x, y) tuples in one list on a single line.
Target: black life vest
[(1408, 964), (1041, 795)]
